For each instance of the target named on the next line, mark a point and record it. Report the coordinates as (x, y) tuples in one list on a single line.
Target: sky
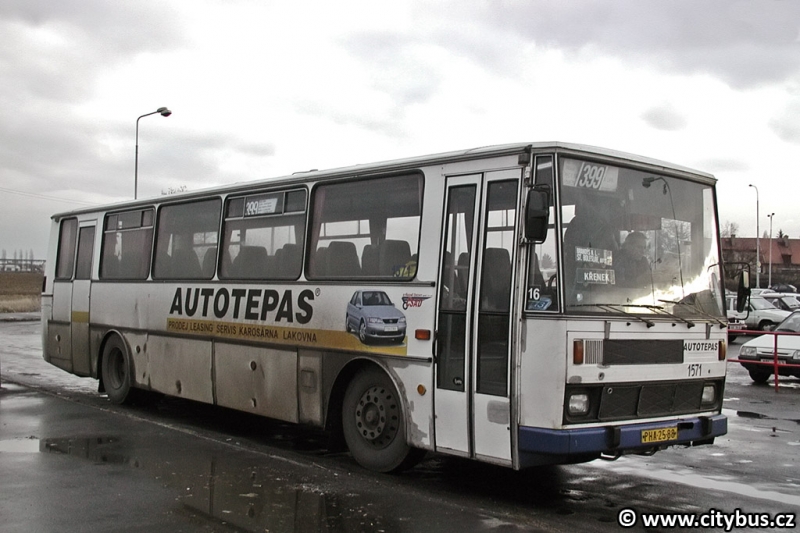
[(261, 89)]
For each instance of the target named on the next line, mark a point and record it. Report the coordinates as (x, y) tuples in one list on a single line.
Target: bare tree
[(174, 190), (730, 229)]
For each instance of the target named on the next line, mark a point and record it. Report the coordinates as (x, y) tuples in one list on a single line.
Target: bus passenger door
[(81, 290), (453, 340), (491, 333), (472, 400)]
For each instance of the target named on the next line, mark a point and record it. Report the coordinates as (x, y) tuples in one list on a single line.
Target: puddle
[(750, 414), (718, 483), (29, 445), (757, 416), (239, 492)]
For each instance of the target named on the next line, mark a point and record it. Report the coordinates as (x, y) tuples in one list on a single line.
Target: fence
[(21, 265)]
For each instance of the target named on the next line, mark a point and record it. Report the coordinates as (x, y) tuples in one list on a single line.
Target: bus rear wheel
[(116, 370), (374, 424)]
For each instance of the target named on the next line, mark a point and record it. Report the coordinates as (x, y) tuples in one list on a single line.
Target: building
[(784, 253)]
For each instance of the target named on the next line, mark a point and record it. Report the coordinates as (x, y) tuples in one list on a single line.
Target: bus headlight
[(709, 395), (578, 404)]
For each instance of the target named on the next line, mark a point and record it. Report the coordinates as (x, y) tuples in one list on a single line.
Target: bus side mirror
[(742, 291), (537, 214)]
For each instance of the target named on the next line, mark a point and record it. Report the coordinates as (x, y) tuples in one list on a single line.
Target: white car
[(761, 314), (762, 348), (785, 301)]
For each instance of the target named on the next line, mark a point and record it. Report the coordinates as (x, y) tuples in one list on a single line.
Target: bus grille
[(642, 352), (655, 399), (593, 352)]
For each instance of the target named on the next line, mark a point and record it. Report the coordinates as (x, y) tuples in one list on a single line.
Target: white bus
[(478, 303)]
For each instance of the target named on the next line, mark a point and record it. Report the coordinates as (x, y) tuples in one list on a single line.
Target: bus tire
[(374, 424), (117, 370)]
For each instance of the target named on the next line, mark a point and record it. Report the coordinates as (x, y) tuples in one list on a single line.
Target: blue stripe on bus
[(600, 439)]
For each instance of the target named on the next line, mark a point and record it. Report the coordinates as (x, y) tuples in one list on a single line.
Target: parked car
[(785, 301), (760, 314), (735, 318), (783, 287), (374, 317), (759, 292), (762, 349)]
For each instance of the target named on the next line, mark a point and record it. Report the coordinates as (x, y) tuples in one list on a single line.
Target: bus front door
[(473, 331), (81, 291)]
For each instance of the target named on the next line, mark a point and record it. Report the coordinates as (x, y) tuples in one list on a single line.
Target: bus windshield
[(637, 242)]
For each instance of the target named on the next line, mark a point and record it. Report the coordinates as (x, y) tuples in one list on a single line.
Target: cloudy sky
[(266, 88)]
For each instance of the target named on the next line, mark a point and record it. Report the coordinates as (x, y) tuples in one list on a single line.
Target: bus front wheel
[(374, 424), (116, 370)]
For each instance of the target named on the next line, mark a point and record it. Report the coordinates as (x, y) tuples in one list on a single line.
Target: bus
[(478, 303)]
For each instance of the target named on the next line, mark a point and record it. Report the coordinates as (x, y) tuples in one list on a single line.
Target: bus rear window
[(67, 238)]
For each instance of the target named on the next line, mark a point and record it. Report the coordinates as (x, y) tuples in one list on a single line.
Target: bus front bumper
[(548, 446)]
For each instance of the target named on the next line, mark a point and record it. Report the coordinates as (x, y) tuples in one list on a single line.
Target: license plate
[(650, 436), (771, 361), (390, 328)]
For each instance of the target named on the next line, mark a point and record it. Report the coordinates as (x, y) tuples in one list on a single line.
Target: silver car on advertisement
[(374, 317)]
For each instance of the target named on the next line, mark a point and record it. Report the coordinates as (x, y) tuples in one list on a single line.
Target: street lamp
[(770, 248), (164, 113), (758, 248)]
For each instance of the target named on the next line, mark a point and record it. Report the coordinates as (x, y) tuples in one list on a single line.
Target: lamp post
[(758, 238), (770, 249), (164, 113)]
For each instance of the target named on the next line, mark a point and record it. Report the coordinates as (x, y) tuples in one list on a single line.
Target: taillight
[(577, 352)]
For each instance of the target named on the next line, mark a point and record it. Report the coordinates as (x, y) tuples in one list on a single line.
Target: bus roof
[(411, 163)]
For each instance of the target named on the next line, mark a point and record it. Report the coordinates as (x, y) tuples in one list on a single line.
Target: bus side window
[(127, 241), (186, 232), (263, 235), (378, 218)]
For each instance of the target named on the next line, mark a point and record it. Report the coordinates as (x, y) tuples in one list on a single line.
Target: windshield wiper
[(616, 307), (659, 309), (698, 310)]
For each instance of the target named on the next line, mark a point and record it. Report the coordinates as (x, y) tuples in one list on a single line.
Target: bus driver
[(631, 265)]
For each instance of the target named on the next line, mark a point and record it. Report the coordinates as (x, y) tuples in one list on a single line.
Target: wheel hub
[(376, 416)]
